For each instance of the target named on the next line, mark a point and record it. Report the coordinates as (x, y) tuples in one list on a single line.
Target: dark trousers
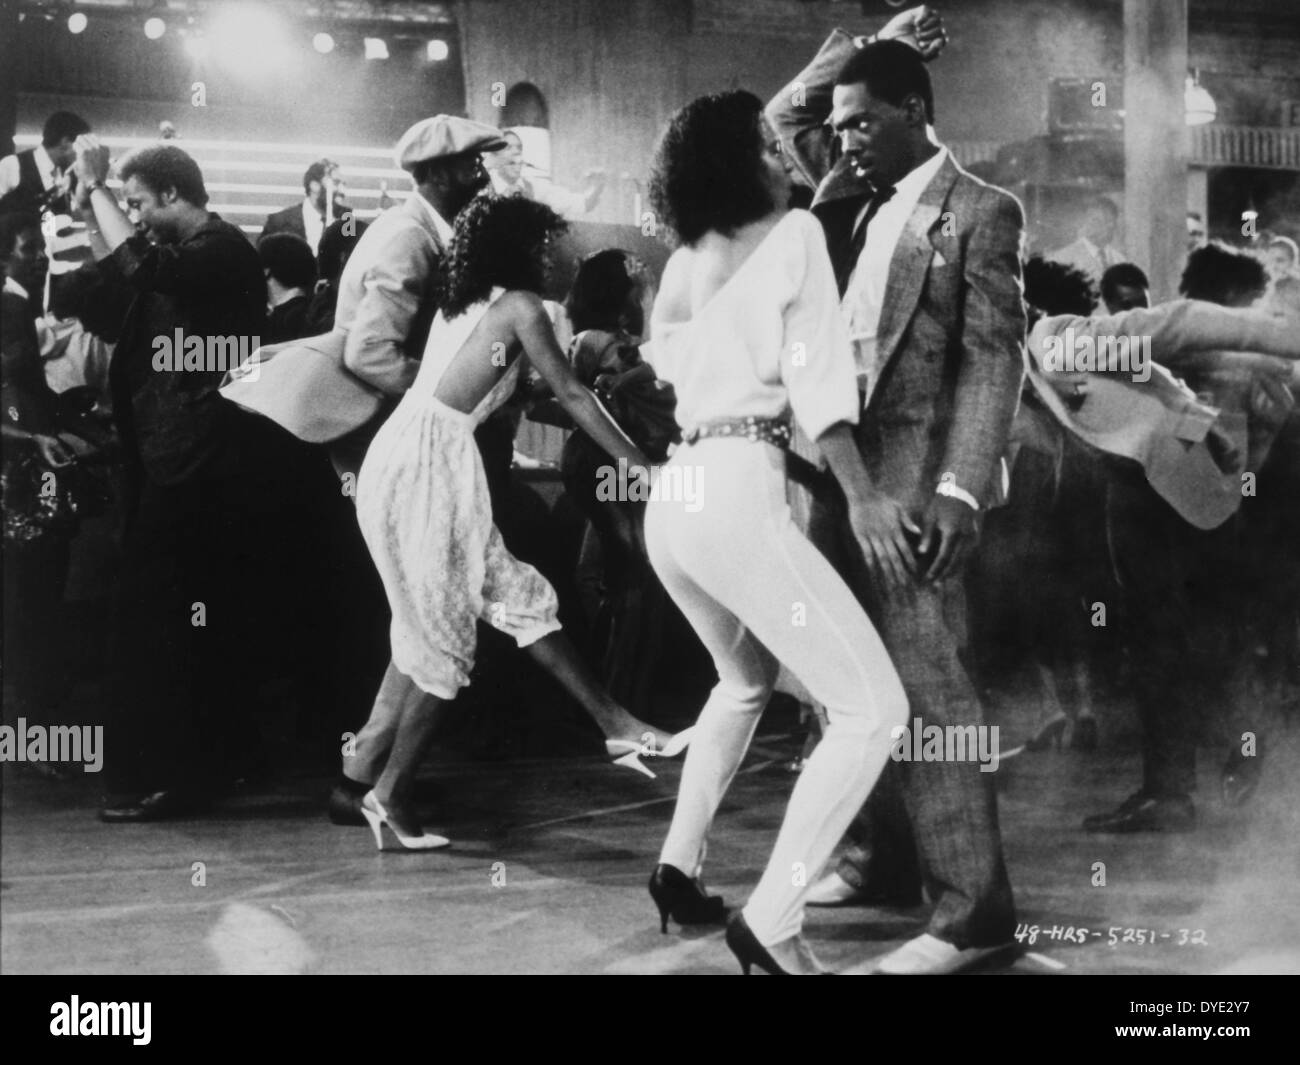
[(184, 623), (1175, 608), (925, 823), (35, 573)]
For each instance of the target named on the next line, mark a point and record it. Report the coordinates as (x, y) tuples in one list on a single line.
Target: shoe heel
[(744, 968), (376, 823), (663, 920), (633, 761)]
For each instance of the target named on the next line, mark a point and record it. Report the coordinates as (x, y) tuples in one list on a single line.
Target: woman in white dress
[(747, 328), (424, 510)]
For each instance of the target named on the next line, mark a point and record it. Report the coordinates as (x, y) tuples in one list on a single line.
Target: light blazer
[(323, 387), (950, 343), (1160, 423)]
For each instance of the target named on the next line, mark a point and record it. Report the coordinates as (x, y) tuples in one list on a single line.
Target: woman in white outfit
[(425, 513), (747, 328)]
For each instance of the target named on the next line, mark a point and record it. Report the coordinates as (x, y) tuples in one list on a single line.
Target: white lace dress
[(425, 513)]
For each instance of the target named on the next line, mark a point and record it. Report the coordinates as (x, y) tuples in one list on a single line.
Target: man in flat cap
[(386, 304)]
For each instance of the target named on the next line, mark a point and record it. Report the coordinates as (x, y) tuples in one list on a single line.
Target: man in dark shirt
[(290, 271), (189, 549)]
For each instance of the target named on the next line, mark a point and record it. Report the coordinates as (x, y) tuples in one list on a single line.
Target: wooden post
[(1157, 147)]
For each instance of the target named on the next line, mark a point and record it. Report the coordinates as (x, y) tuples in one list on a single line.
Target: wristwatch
[(96, 184)]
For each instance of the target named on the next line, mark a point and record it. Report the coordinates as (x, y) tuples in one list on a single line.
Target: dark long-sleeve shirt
[(208, 286)]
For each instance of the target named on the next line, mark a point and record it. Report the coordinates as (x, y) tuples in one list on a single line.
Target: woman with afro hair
[(424, 509)]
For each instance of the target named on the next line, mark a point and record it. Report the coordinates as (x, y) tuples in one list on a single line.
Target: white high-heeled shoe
[(376, 816), (628, 752)]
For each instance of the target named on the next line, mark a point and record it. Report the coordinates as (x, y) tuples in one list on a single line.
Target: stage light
[(154, 28), (323, 43), (76, 22), (251, 39), (376, 48), (438, 51), (1198, 104)]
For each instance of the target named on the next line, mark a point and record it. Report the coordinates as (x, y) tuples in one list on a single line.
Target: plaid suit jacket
[(950, 344)]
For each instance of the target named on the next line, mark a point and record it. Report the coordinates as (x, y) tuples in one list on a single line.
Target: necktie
[(858, 242)]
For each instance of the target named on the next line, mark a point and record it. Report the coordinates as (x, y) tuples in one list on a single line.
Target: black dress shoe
[(345, 802), (684, 899), (1146, 813), (1241, 776), (157, 806)]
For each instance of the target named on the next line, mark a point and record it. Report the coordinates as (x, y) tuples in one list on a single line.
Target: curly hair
[(1053, 288), (164, 166), (708, 167), (499, 240)]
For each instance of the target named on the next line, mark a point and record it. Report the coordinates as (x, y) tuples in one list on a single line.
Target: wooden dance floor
[(549, 864)]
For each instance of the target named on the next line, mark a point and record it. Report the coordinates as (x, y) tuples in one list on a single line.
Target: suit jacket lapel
[(911, 263)]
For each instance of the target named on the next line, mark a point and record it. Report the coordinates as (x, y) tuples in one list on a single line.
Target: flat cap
[(444, 135)]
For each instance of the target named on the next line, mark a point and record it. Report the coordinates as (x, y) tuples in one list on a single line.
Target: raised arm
[(533, 328), (798, 113), (1181, 333)]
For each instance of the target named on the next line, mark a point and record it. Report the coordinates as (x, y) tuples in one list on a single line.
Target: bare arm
[(538, 338), (108, 224)]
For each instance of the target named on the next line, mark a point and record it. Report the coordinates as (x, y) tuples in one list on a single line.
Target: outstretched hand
[(921, 28)]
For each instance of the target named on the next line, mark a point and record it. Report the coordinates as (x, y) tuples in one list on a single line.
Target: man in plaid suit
[(928, 262)]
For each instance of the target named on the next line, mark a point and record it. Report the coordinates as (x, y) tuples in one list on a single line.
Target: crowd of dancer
[(881, 360)]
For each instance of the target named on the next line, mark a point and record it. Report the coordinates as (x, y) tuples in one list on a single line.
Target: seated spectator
[(290, 270)]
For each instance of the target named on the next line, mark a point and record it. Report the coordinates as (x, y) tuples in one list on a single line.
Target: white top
[(770, 340), (313, 223), (10, 175), (864, 295)]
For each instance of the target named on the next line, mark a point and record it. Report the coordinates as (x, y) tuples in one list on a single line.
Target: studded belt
[(757, 430)]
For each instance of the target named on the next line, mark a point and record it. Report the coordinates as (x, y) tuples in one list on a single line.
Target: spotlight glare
[(438, 51), (323, 43), (76, 22), (196, 47), (251, 40), (154, 28), (376, 48)]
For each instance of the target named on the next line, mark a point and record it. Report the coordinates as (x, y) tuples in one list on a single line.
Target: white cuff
[(948, 487)]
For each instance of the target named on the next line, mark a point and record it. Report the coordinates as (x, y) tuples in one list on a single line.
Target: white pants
[(760, 595)]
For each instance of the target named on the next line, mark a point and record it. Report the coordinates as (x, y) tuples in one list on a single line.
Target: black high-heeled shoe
[(748, 950), (684, 899)]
